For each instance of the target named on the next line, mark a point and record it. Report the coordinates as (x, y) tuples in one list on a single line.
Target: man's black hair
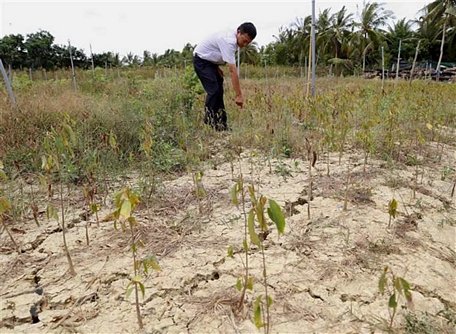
[(248, 28)]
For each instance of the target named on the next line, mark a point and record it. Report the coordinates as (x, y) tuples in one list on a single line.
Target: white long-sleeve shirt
[(218, 48)]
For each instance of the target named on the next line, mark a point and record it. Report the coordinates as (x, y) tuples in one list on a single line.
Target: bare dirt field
[(323, 272)]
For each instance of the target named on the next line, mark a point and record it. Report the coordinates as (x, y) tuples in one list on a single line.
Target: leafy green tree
[(40, 53), (12, 50), (442, 13), (170, 58), (369, 34), (187, 52), (402, 31), (339, 32), (249, 54), (131, 60), (106, 59)]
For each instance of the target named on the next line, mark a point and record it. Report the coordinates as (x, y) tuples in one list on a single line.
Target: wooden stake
[(72, 67), (8, 85), (414, 61)]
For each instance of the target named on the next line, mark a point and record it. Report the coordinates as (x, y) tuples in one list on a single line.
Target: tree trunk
[(414, 61), (398, 59), (441, 47)]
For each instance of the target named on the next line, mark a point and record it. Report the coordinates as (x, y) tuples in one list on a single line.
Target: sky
[(123, 27)]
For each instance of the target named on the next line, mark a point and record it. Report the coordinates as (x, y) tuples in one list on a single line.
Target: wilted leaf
[(142, 288), (69, 134), (405, 284), (382, 281), (233, 195), (94, 207), (398, 285), (392, 208), (5, 205), (129, 291), (51, 212), (3, 176), (245, 245), (252, 194), (136, 279), (109, 217), (276, 215), (392, 303), (270, 301), (152, 262), (250, 283), (251, 228), (257, 317), (230, 251), (239, 284), (125, 209), (112, 140)]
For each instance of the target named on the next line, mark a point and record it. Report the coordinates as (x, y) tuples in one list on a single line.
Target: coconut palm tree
[(340, 30), (369, 35), (442, 12), (401, 31), (249, 54)]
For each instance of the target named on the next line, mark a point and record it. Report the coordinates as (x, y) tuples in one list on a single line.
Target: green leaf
[(270, 301), (245, 245), (94, 207), (136, 279), (405, 284), (129, 291), (250, 283), (392, 303), (398, 285), (239, 284), (252, 194), (251, 227), (69, 134), (260, 213), (51, 212), (112, 140), (230, 251), (382, 281), (233, 195), (142, 288), (276, 215), (257, 316)]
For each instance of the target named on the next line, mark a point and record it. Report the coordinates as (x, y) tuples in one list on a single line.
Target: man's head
[(246, 33)]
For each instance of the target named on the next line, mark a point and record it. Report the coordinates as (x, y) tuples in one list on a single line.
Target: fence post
[(8, 85), (72, 66)]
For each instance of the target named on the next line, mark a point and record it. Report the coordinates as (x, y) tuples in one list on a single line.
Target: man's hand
[(239, 100)]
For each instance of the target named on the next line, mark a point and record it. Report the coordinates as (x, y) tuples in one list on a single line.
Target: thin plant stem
[(265, 282), (246, 278), (138, 311), (67, 252)]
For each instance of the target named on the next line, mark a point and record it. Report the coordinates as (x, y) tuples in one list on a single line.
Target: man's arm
[(237, 87)]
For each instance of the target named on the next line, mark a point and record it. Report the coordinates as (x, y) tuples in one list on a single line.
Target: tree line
[(342, 39)]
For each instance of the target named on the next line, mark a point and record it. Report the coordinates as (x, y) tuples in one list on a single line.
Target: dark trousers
[(212, 81)]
